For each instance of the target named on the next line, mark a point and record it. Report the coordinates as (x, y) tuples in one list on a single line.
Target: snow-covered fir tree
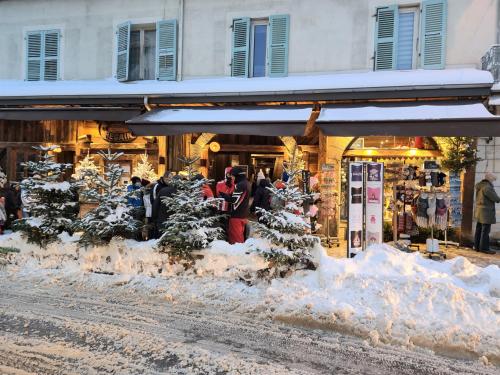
[(285, 225), (193, 221), (51, 203), (86, 172), (144, 170), (112, 216), (3, 178)]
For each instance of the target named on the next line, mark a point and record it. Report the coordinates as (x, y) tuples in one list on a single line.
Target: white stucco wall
[(325, 35)]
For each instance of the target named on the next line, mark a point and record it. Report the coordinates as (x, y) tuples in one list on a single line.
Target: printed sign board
[(366, 202)]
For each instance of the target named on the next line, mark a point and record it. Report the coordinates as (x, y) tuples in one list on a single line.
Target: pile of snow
[(390, 296), (382, 294)]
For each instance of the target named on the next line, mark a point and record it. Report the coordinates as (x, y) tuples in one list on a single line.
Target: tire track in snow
[(31, 313)]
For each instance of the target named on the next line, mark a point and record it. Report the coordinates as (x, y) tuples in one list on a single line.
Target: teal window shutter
[(51, 53), (240, 47), (386, 30), (433, 34), (122, 51), (42, 55), (279, 31), (34, 55), (166, 50)]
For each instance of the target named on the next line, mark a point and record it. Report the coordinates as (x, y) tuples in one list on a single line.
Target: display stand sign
[(365, 224), (455, 201)]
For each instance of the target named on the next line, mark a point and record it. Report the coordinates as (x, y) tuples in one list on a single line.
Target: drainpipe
[(146, 103), (498, 22), (180, 46)]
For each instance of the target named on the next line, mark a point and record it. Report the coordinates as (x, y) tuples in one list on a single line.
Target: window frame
[(258, 22), (142, 28), (416, 10)]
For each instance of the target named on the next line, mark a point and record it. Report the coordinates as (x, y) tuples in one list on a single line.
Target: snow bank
[(388, 295), (382, 294)]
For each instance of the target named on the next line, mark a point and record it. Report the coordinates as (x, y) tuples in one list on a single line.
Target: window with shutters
[(411, 37), (142, 52), (147, 51), (407, 37), (260, 46), (43, 55), (258, 50)]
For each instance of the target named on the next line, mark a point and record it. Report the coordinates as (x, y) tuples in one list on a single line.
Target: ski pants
[(236, 230)]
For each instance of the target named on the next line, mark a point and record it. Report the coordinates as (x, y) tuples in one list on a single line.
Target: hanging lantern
[(214, 147)]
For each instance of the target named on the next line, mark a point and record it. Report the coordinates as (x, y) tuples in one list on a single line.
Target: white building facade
[(105, 62)]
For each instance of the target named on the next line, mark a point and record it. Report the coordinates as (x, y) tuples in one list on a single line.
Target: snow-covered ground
[(383, 295)]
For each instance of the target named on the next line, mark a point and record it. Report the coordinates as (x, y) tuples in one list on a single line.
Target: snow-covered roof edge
[(338, 82), (402, 112)]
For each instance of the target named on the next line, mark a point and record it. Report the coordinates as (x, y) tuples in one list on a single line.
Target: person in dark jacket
[(262, 197), (163, 188), (486, 197), (239, 207)]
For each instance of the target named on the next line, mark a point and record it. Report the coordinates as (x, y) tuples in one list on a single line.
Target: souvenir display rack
[(429, 185), (329, 203)]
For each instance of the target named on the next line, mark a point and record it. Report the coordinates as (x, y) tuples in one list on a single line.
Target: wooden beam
[(400, 153), (309, 148), (251, 148), (228, 147)]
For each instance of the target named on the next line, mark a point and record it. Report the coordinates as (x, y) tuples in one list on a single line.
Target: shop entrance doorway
[(257, 153)]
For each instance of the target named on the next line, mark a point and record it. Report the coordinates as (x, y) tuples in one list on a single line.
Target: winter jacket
[(224, 188), (135, 197), (207, 191), (160, 210), (240, 197), (486, 197), (262, 197)]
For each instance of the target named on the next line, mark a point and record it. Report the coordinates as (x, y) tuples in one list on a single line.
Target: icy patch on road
[(384, 295)]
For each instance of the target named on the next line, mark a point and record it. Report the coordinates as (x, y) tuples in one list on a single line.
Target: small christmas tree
[(111, 217), (144, 169), (3, 178), (86, 172), (192, 222), (51, 203), (285, 225), (461, 154)]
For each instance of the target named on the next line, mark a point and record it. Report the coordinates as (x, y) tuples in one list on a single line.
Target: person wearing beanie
[(486, 197), (239, 207)]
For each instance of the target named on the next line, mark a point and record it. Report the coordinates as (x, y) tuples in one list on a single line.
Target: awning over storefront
[(417, 83), (267, 121), (69, 113), (415, 119)]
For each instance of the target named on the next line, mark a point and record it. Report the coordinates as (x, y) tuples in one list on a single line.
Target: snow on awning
[(409, 119), (344, 85), (268, 121), (69, 113), (494, 100)]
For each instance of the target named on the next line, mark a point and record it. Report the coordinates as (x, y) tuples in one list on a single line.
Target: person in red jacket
[(239, 207), (225, 186), (205, 189)]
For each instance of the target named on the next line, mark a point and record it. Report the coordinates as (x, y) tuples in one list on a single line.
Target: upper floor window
[(145, 52), (42, 55), (260, 47), (258, 52), (397, 33), (142, 53)]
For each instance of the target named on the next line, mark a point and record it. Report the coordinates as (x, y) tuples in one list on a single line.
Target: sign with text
[(366, 202)]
